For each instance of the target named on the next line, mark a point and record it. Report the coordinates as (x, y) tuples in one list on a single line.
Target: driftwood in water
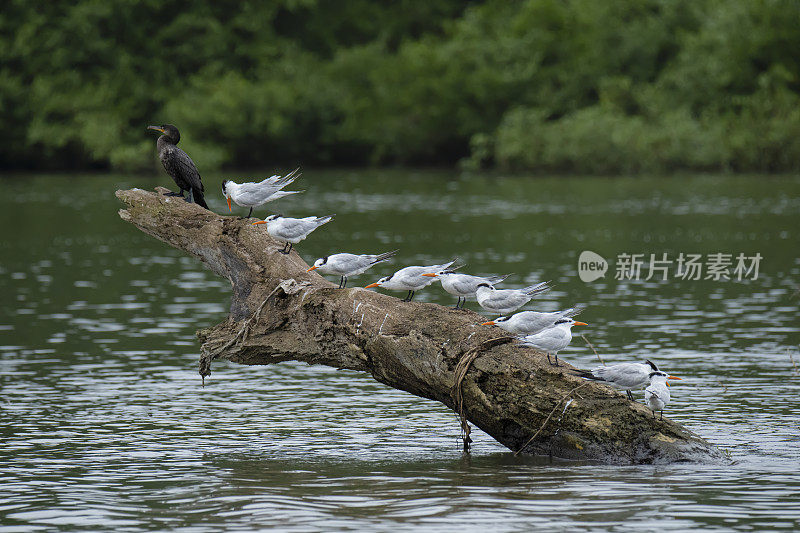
[(280, 312)]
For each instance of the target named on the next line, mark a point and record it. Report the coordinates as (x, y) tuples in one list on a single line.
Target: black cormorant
[(178, 164)]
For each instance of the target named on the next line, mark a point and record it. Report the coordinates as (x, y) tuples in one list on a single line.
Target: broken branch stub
[(280, 312)]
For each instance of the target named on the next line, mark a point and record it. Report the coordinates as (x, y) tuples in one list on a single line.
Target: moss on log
[(280, 312)]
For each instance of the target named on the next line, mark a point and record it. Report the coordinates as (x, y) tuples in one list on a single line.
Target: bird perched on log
[(292, 230), (346, 265), (411, 279), (504, 301), (656, 395), (254, 194), (463, 285), (554, 339), (178, 164), (530, 322), (622, 376)]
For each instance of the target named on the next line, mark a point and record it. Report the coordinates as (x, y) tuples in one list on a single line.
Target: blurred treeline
[(595, 86)]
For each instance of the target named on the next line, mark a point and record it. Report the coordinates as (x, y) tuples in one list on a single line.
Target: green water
[(105, 426)]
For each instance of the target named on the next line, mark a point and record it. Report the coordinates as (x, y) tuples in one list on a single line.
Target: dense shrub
[(542, 85)]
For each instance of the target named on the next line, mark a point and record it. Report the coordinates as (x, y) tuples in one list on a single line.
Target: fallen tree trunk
[(280, 312)]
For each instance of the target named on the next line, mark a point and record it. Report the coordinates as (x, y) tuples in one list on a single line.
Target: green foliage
[(600, 140), (543, 85)]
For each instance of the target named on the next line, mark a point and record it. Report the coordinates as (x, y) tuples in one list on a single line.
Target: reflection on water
[(104, 423)]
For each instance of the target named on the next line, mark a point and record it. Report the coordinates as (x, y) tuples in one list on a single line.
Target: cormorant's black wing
[(181, 167)]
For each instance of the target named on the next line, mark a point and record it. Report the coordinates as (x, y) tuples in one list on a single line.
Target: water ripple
[(105, 425)]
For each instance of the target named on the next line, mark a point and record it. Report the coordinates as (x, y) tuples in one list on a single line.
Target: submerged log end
[(280, 312)]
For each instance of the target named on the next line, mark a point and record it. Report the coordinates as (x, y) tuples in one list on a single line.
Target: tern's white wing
[(269, 181), (530, 322), (345, 264), (366, 261), (412, 277), (412, 271), (502, 300), (625, 376), (252, 194), (461, 284), (550, 340), (336, 264), (266, 190), (409, 278), (281, 181), (295, 229)]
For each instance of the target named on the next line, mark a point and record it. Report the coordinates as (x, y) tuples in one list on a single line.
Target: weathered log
[(280, 312)]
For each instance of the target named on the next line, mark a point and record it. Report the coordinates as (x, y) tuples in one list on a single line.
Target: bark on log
[(280, 312)]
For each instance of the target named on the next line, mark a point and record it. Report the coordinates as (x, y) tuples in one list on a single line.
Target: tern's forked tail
[(573, 311), (288, 178), (586, 374), (539, 288), (494, 280), (384, 256), (454, 265)]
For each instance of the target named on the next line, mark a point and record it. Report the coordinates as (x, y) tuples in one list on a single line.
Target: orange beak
[(229, 204), (580, 324), (429, 275), (310, 269), (490, 323), (372, 285), (259, 222), (675, 377)]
